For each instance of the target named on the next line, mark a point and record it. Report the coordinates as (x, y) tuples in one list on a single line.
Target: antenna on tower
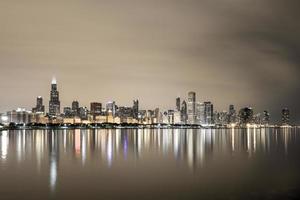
[(53, 80)]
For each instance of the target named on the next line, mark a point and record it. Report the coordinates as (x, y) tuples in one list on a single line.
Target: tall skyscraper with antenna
[(54, 103)]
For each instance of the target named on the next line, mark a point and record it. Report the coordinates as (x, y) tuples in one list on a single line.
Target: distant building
[(39, 105), (191, 108), (178, 104), (68, 112), (83, 113), (135, 108), (54, 103), (198, 113), (184, 112), (19, 116), (246, 115), (266, 117), (209, 110), (75, 108), (232, 114), (95, 109), (285, 116), (111, 108)]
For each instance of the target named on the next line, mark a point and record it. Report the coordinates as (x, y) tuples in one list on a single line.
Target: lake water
[(150, 164)]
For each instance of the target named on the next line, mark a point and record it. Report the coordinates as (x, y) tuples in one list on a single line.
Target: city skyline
[(187, 112), (233, 52)]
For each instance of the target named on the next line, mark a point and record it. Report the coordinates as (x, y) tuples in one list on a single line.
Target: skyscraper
[(246, 115), (135, 108), (266, 117), (285, 116), (202, 117), (96, 108), (209, 111), (75, 108), (183, 112), (178, 103), (54, 103), (191, 108), (232, 114), (111, 107), (39, 105)]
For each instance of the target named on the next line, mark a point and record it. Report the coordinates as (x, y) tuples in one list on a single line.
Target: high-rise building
[(135, 108), (209, 111), (202, 115), (96, 108), (266, 117), (178, 104), (39, 105), (183, 112), (191, 108), (246, 115), (54, 103), (111, 108), (205, 113), (67, 112), (232, 114), (198, 112), (75, 108), (285, 116), (83, 113)]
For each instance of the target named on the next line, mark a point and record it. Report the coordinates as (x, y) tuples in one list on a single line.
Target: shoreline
[(133, 126)]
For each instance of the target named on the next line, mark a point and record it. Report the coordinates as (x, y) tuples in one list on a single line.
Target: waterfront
[(150, 164)]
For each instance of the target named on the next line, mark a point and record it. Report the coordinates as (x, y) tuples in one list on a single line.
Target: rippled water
[(150, 164)]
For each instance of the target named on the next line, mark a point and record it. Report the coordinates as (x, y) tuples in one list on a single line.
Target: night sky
[(241, 52)]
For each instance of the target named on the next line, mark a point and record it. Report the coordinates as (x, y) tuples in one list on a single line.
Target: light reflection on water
[(193, 147)]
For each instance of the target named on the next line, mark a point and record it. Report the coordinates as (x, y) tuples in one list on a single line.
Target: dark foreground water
[(150, 164)]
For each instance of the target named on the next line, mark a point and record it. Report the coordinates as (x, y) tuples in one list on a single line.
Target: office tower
[(191, 108), (83, 113), (67, 112), (232, 114), (198, 112), (266, 117), (135, 108), (178, 103), (209, 111), (39, 105), (111, 108), (246, 115), (96, 109), (285, 116), (75, 108), (54, 103), (183, 112), (202, 115)]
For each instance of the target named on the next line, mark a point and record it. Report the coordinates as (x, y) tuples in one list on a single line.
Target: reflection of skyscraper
[(285, 116), (178, 103), (54, 157), (191, 107), (54, 103)]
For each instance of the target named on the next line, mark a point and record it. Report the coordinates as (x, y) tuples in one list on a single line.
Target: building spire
[(53, 80)]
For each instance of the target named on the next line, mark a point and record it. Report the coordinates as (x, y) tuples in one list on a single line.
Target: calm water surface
[(150, 164)]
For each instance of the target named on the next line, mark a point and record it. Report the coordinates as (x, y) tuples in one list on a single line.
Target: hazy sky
[(244, 52)]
